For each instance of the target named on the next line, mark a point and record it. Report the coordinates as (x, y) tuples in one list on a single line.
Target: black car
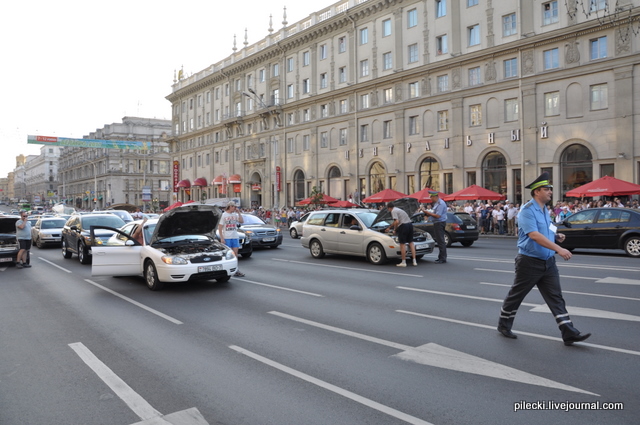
[(460, 227), (603, 228), (8, 242), (76, 237)]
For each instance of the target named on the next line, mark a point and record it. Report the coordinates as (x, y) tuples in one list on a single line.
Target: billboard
[(87, 143)]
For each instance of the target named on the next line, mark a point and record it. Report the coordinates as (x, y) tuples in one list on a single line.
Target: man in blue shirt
[(536, 264), (23, 235), (439, 216)]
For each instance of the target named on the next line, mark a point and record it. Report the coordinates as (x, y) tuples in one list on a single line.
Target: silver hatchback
[(355, 232)]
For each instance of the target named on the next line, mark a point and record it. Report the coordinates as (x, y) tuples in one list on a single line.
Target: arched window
[(298, 186), (377, 177), (576, 167), (335, 183), (494, 172), (430, 174)]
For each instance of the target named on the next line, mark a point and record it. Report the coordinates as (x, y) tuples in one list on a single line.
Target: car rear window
[(53, 224)]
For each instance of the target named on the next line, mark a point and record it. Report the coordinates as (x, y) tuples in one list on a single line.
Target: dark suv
[(76, 237), (8, 241)]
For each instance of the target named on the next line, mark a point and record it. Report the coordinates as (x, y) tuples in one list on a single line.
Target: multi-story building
[(97, 178), (41, 174), (365, 95)]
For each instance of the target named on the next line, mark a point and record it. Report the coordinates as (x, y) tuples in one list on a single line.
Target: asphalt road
[(306, 341)]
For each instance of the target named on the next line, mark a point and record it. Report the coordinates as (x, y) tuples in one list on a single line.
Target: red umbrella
[(424, 195), (326, 199), (474, 192), (385, 195), (172, 206), (343, 204), (605, 186)]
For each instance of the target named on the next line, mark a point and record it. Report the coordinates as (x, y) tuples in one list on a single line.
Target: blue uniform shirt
[(440, 208), (532, 218)]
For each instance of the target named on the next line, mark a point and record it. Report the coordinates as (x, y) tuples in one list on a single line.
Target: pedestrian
[(535, 263), (404, 230), (439, 215), (228, 229), (23, 234)]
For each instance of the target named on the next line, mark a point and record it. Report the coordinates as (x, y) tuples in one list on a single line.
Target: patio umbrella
[(424, 195), (474, 192), (343, 204), (605, 186), (326, 199), (385, 195), (172, 206)]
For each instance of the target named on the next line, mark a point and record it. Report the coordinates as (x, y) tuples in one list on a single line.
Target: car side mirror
[(129, 242), (74, 228), (567, 224), (355, 227)]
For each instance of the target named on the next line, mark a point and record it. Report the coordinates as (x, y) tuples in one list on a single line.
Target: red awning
[(184, 183), (218, 180), (200, 182), (235, 179)]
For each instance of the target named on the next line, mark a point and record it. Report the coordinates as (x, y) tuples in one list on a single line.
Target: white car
[(178, 247)]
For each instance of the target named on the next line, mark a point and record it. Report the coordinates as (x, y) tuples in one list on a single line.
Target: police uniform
[(535, 265)]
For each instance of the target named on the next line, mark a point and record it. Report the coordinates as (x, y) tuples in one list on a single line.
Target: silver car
[(353, 232), (47, 231), (295, 229)]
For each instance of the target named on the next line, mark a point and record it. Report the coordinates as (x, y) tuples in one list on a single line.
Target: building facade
[(98, 178), (367, 95), (41, 176)]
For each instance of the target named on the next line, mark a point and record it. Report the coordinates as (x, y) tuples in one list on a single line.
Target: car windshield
[(52, 224), (185, 239), (252, 219), (367, 218), (106, 220)]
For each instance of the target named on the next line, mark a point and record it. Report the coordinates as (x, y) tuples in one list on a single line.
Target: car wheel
[(294, 233), (65, 252), (632, 246), (223, 279), (83, 256), (247, 255), (467, 243), (315, 247), (447, 239), (39, 243), (376, 254), (151, 277)]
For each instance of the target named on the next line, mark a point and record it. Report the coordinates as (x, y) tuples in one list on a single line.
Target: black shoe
[(26, 265), (440, 261), (507, 333), (576, 338)]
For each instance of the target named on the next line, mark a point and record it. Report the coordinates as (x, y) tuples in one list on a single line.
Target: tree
[(316, 196)]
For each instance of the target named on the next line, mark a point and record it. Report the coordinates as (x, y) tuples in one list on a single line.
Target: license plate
[(202, 269), (6, 260), (471, 227), (421, 246), (268, 239)]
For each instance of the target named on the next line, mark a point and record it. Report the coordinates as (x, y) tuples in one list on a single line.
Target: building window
[(261, 76), (276, 69), (323, 80), (364, 35), (290, 91), (511, 110), (305, 142), (342, 44), (306, 86), (343, 136), (413, 125), (387, 61), (323, 51), (442, 46), (549, 12), (364, 133), (324, 111), (511, 68), (275, 97), (343, 106), (474, 76), (475, 115), (599, 97), (474, 35), (386, 129), (509, 25), (598, 5), (364, 68), (414, 90), (386, 28), (441, 8), (324, 141), (342, 74), (551, 59), (364, 101), (551, 104), (598, 48), (305, 58), (443, 120), (387, 95), (306, 115), (413, 53), (290, 64), (412, 18), (472, 3), (290, 145), (443, 83)]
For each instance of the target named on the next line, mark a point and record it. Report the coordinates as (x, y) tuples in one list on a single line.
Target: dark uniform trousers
[(438, 236), (544, 274)]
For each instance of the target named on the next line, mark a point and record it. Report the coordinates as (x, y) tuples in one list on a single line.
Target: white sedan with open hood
[(178, 247)]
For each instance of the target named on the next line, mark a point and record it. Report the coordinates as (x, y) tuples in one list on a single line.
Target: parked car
[(603, 228), (295, 229), (179, 246), (460, 227), (352, 232), (47, 231), (262, 235), (123, 214), (8, 242), (76, 238)]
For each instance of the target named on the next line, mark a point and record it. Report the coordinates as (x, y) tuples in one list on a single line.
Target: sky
[(70, 67)]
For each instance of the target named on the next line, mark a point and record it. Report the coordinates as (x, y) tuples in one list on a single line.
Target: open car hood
[(408, 205), (191, 219)]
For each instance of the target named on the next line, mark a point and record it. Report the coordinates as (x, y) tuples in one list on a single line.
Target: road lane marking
[(54, 265), (330, 387), (439, 356), (280, 287), (511, 271), (346, 268), (136, 303), (559, 264), (571, 292), (450, 294), (619, 281), (133, 400)]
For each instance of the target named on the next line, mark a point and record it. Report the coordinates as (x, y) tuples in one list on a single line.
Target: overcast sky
[(71, 66)]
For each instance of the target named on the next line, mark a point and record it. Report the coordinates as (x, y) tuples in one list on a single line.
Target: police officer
[(536, 264)]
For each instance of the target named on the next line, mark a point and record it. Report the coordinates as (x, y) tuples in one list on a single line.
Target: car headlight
[(278, 230), (229, 255), (168, 259), (395, 239)]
